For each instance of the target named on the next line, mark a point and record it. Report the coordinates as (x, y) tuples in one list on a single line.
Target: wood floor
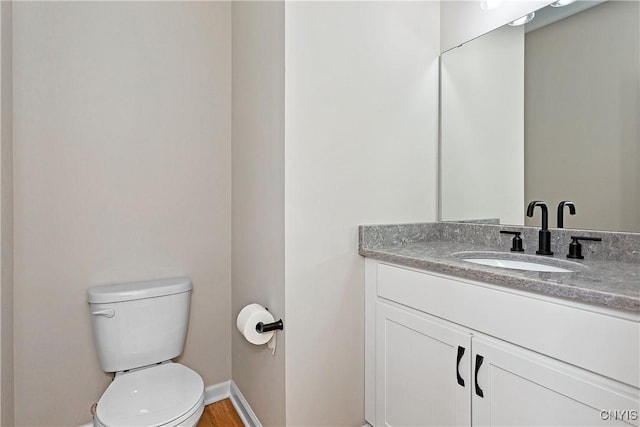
[(220, 414)]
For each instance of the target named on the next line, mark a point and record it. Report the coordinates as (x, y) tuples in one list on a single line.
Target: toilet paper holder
[(268, 327)]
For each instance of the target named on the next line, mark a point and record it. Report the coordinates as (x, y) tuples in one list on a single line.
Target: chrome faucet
[(544, 236)]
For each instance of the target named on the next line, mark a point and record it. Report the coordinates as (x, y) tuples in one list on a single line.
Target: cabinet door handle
[(479, 360), (460, 354)]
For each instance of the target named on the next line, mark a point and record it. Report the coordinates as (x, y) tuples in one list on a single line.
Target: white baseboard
[(217, 392), (230, 390), (248, 417), (223, 390)]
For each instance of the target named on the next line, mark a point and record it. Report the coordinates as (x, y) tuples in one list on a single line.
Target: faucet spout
[(544, 236), (545, 212), (561, 205)]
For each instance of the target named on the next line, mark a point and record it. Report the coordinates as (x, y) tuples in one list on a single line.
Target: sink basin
[(523, 262), (517, 265)]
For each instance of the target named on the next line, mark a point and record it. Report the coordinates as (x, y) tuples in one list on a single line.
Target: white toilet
[(138, 328)]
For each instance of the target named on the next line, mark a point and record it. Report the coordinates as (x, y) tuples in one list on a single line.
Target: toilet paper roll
[(248, 318)]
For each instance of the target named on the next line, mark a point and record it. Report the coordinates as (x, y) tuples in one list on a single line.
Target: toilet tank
[(139, 323)]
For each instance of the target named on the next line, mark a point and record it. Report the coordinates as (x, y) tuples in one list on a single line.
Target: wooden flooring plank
[(220, 414)]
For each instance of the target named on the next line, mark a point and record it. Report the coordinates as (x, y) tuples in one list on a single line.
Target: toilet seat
[(161, 395)]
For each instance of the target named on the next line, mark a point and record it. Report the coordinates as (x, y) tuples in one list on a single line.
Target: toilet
[(138, 328)]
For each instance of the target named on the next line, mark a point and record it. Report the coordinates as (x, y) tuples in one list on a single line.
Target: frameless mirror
[(545, 111)]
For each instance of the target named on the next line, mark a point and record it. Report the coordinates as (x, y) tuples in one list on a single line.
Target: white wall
[(6, 216), (121, 172), (592, 80), (360, 147), (483, 128), (258, 198), (465, 20), (127, 175)]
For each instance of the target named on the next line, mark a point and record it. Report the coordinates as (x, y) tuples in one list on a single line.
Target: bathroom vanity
[(452, 342), (460, 327)]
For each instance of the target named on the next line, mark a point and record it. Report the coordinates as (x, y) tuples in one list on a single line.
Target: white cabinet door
[(423, 370), (517, 387)]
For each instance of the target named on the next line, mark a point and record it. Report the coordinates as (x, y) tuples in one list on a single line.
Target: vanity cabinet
[(419, 360), (520, 387), (441, 351)]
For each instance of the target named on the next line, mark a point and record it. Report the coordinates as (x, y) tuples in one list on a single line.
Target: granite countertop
[(602, 281)]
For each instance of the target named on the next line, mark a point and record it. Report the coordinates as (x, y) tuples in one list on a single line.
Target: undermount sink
[(517, 265), (519, 262)]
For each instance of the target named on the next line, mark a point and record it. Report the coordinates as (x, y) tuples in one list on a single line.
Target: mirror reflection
[(545, 111)]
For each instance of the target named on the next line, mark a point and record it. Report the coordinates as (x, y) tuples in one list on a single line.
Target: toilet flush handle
[(107, 312)]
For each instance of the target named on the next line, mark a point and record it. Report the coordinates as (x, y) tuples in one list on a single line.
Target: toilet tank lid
[(119, 292)]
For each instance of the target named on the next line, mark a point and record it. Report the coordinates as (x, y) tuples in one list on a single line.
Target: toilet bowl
[(168, 395), (138, 328)]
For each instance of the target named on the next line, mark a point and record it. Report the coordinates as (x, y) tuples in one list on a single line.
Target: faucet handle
[(575, 248), (516, 243)]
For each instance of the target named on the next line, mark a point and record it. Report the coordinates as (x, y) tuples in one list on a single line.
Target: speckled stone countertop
[(609, 275)]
